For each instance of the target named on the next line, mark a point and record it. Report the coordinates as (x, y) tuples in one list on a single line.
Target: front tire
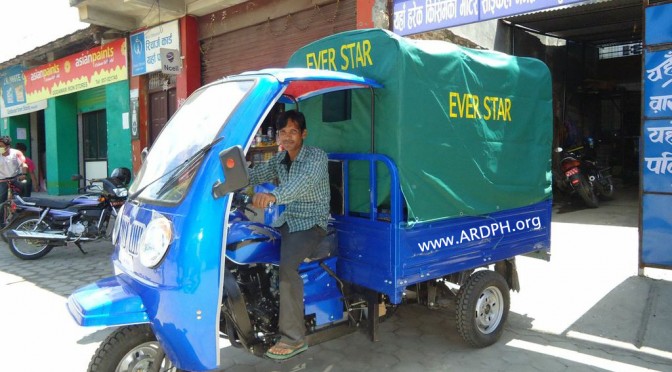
[(482, 308), (606, 187), (130, 349), (29, 249)]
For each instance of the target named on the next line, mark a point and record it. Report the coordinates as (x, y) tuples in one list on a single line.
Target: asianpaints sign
[(92, 68)]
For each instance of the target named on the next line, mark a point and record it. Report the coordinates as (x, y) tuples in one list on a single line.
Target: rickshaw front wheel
[(130, 349)]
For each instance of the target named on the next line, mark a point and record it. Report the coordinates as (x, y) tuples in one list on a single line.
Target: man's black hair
[(21, 147), (293, 115), (6, 140)]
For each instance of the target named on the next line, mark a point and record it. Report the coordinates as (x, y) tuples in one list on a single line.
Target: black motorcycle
[(580, 174), (44, 223)]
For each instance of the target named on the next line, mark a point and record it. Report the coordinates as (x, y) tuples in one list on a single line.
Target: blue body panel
[(109, 301), (384, 253), (256, 248)]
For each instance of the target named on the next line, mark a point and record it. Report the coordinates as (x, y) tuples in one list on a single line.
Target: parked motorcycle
[(582, 175), (43, 223)]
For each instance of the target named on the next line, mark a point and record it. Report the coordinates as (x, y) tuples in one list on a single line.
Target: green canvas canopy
[(469, 130)]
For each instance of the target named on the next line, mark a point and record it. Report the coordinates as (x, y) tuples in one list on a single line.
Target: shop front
[(75, 119)]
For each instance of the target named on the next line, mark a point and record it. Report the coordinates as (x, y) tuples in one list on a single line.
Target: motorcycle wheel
[(29, 249), (606, 188), (587, 193), (129, 349), (482, 308)]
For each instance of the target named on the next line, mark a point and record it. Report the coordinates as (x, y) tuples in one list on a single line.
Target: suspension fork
[(43, 214), (103, 216)]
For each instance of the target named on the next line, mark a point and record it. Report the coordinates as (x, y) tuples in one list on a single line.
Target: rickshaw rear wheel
[(129, 349), (482, 308)]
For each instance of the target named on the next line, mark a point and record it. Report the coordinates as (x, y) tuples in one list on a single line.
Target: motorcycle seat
[(47, 202), (327, 247)]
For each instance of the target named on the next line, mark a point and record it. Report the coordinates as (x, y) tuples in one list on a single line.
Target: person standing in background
[(31, 179), (13, 168)]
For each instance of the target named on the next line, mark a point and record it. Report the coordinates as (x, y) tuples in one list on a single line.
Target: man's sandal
[(282, 351)]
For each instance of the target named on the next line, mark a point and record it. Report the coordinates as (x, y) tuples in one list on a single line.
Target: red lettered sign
[(91, 68)]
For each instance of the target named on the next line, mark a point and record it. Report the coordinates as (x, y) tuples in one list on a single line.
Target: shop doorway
[(93, 144), (163, 105)]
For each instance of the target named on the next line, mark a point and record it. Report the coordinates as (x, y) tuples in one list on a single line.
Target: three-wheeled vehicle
[(440, 176)]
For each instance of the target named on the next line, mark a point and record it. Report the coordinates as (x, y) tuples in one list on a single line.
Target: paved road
[(586, 310)]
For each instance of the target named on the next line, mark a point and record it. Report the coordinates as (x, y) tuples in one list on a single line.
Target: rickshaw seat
[(327, 247)]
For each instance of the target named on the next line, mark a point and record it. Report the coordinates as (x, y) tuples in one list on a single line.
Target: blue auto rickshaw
[(440, 176)]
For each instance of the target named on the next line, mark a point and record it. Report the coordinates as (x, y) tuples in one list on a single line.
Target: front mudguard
[(107, 302), (236, 309)]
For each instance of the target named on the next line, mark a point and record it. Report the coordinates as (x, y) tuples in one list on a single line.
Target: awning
[(597, 22)]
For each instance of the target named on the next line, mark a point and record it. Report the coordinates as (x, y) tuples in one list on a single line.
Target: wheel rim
[(489, 310), (30, 247), (143, 358)]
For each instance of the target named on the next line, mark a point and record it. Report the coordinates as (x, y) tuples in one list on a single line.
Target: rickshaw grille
[(130, 234)]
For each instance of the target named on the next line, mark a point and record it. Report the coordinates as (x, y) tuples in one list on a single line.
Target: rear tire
[(29, 249), (128, 349), (587, 193), (482, 308)]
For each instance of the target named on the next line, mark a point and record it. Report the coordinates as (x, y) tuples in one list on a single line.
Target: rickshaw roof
[(303, 83)]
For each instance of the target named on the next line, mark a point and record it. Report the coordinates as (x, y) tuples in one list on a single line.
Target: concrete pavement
[(586, 310)]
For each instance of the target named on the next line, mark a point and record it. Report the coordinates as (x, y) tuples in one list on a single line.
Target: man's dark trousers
[(294, 249)]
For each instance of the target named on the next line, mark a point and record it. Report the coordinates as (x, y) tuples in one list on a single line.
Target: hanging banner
[(656, 140), (91, 68), (414, 16), (146, 47)]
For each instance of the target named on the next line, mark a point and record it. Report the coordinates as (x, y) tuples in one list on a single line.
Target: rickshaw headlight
[(117, 225), (155, 241)]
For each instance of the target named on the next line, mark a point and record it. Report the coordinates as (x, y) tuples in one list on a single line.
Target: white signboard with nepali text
[(146, 47)]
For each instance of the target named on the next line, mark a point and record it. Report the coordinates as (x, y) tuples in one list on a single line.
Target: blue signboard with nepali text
[(414, 16), (656, 139), (658, 84)]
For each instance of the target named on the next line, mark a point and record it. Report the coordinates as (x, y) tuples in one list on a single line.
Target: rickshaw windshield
[(176, 155)]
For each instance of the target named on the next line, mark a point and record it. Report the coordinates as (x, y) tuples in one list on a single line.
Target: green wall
[(118, 138), (15, 122), (60, 127)]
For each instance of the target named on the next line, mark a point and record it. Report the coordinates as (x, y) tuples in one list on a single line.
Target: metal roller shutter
[(270, 44)]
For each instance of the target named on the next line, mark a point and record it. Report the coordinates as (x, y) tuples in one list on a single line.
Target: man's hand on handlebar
[(263, 200)]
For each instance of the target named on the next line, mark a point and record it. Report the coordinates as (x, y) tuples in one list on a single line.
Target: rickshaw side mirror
[(236, 175)]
